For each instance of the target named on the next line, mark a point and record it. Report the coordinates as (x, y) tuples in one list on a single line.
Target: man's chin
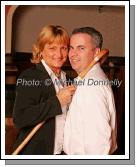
[(75, 68)]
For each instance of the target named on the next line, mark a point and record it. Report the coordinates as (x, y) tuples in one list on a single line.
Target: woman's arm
[(32, 106)]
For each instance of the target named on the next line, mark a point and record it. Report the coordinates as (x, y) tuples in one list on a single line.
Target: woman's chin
[(58, 65)]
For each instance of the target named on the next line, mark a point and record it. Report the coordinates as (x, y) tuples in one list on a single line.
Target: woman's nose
[(59, 53)]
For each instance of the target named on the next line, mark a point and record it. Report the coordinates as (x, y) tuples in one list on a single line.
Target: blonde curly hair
[(48, 35)]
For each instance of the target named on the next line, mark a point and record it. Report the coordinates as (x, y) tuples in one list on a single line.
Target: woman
[(40, 98)]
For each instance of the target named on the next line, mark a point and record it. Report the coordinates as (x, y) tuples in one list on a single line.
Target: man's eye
[(82, 48)]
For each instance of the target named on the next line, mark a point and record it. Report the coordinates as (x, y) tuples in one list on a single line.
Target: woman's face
[(55, 54)]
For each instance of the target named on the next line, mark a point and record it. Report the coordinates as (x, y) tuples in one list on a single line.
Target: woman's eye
[(65, 48), (52, 48)]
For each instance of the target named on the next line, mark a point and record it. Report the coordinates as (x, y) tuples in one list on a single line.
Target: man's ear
[(97, 50)]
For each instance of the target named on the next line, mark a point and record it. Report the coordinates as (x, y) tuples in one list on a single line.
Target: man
[(39, 98), (90, 126)]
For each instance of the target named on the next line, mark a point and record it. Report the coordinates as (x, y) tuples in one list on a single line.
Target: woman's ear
[(41, 54)]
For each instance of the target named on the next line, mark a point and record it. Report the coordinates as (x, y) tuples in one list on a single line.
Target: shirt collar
[(96, 66)]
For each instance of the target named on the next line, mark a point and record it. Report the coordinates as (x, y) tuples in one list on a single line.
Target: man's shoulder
[(97, 81), (97, 75)]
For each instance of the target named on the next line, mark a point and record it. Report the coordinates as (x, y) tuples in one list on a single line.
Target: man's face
[(81, 52), (55, 54)]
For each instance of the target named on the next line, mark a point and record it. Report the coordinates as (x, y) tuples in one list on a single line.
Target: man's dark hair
[(95, 35)]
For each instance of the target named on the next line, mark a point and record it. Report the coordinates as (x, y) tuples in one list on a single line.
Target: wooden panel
[(10, 135)]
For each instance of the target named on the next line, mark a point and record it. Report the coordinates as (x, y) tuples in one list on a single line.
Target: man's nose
[(73, 53)]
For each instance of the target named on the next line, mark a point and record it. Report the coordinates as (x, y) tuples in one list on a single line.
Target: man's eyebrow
[(80, 46), (76, 46)]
